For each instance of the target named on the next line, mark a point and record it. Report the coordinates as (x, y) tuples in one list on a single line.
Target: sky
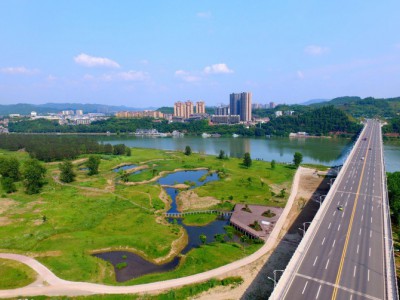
[(154, 53)]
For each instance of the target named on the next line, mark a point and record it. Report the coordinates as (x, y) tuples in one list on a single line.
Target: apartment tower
[(240, 104), (200, 107)]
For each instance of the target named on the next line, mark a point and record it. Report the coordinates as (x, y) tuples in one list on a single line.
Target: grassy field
[(199, 219), (14, 274), (93, 213)]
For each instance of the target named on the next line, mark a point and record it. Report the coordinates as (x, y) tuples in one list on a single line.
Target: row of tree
[(32, 174), (52, 147)]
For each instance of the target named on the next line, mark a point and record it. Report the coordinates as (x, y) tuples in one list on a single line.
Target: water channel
[(136, 265)]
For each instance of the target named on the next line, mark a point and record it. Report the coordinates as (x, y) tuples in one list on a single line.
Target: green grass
[(199, 219), (14, 274), (106, 216)]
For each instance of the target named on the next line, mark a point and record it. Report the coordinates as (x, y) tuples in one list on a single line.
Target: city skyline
[(156, 53)]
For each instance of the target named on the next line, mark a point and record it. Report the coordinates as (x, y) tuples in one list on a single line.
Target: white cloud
[(300, 75), (18, 70), (133, 75), (204, 14), (51, 77), (316, 50), (186, 76), (217, 69), (93, 61)]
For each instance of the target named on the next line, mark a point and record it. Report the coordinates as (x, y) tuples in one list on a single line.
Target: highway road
[(345, 257)]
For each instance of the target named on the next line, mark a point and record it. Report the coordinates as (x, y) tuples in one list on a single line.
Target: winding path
[(49, 284)]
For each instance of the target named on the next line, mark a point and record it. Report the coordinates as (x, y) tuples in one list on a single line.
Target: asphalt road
[(345, 258)]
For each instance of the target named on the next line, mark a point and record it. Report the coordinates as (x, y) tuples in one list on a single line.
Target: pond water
[(124, 168), (138, 266), (182, 177)]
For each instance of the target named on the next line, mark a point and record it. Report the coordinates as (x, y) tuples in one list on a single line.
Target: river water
[(325, 151)]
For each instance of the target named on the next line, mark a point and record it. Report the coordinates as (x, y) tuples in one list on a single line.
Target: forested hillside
[(319, 121), (367, 107)]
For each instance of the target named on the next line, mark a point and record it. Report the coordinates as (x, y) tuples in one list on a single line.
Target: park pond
[(128, 265)]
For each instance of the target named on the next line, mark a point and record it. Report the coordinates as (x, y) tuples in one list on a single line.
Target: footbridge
[(347, 251)]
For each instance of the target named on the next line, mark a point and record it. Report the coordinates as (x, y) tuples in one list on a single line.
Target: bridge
[(347, 252), (182, 214)]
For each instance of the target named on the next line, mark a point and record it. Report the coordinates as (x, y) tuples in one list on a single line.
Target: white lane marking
[(363, 206), (329, 226), (319, 289), (362, 217), (345, 204), (354, 272), (351, 297), (315, 260), (372, 208), (341, 196), (370, 233), (334, 213), (323, 241), (338, 227), (342, 215), (333, 245), (327, 263), (371, 219), (368, 275), (304, 287), (359, 233), (358, 247), (369, 252)]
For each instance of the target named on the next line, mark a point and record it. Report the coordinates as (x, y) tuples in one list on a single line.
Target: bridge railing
[(283, 283), (390, 270)]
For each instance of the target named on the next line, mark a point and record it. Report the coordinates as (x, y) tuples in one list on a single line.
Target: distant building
[(14, 115), (288, 112), (33, 114), (189, 109), (85, 121), (200, 107), (79, 112), (225, 119), (67, 112), (222, 110), (140, 114), (278, 113), (272, 105), (240, 104)]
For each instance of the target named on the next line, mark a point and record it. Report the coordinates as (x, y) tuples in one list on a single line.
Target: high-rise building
[(178, 109), (200, 107), (240, 104), (189, 109), (222, 110)]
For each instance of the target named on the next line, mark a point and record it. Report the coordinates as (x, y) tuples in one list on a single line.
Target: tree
[(93, 165), (124, 176), (128, 151), (119, 149), (297, 159), (8, 185), (9, 167), (67, 172), (188, 150), (34, 176), (273, 163), (203, 238), (221, 154), (247, 160)]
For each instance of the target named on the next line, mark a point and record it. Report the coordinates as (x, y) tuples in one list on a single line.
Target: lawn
[(14, 274)]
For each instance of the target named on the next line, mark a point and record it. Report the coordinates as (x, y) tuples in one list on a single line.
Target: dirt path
[(50, 284)]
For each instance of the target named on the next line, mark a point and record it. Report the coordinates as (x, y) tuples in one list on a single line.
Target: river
[(325, 151)]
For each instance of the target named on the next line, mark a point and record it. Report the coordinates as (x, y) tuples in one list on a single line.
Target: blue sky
[(153, 53)]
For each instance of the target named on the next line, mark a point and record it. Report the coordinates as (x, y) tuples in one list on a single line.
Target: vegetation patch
[(14, 274), (199, 219)]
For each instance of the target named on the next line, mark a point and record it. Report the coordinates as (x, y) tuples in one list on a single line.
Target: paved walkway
[(49, 284)]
